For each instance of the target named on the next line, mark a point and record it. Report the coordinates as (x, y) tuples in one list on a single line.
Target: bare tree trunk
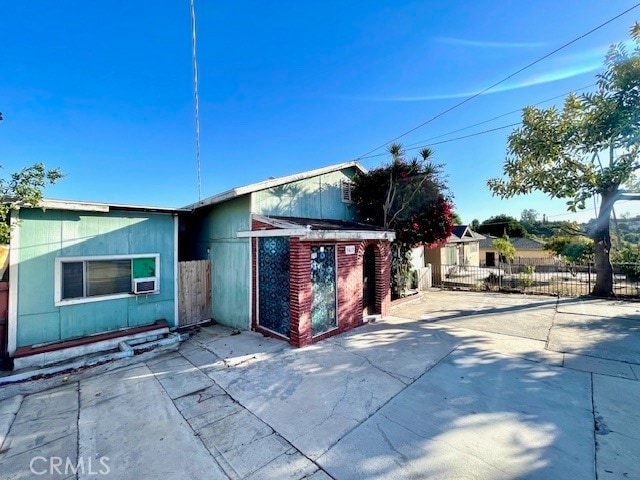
[(602, 247)]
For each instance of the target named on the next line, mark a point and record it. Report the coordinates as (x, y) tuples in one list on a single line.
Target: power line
[(499, 116), (508, 77), (422, 144), (449, 140)]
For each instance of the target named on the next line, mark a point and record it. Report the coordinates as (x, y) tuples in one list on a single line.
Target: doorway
[(273, 284), (369, 281)]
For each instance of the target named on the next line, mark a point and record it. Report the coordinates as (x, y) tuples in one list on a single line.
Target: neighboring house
[(287, 258), (461, 249), (528, 252), (89, 271)]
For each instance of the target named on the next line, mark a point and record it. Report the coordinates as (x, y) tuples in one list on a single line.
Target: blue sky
[(103, 90)]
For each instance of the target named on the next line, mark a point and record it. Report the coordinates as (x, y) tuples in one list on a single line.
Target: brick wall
[(349, 286)]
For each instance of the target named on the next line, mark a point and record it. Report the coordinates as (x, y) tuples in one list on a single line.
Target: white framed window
[(346, 189), (106, 277)]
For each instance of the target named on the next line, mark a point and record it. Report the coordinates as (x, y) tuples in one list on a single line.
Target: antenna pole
[(195, 94)]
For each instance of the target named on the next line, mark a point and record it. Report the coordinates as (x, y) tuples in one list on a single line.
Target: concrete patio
[(453, 385)]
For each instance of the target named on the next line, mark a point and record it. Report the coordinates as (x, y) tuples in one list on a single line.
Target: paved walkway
[(453, 385)]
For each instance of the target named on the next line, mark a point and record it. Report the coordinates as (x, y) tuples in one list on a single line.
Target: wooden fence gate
[(195, 292)]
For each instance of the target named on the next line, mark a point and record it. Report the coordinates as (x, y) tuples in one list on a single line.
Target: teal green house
[(82, 274), (212, 231), (78, 270)]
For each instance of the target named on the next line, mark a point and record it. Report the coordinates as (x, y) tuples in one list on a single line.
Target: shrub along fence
[(548, 279)]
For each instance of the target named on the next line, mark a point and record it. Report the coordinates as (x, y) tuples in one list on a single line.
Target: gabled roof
[(271, 183), (520, 243), (462, 233)]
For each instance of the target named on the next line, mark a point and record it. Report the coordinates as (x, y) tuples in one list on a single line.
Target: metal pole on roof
[(195, 94)]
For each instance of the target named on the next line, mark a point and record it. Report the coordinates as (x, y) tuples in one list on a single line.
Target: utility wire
[(447, 141), (195, 95), (508, 77), (422, 144), (498, 117)]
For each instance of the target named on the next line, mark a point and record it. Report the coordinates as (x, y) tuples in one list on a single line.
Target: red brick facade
[(349, 286)]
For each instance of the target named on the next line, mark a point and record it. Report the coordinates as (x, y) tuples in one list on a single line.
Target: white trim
[(59, 302), (176, 279), (274, 182), (69, 205), (280, 232), (346, 187), (258, 284), (349, 235), (308, 234), (275, 222), (251, 274), (14, 263), (54, 204)]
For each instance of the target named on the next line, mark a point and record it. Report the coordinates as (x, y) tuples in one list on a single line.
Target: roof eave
[(274, 182)]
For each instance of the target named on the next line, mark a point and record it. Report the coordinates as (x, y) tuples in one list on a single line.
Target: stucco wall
[(46, 235)]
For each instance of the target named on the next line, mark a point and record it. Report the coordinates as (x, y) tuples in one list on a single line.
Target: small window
[(99, 278), (346, 189)]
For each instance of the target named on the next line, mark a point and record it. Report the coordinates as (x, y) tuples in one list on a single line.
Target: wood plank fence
[(195, 292)]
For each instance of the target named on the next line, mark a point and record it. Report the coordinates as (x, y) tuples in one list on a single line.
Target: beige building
[(461, 249), (528, 252)]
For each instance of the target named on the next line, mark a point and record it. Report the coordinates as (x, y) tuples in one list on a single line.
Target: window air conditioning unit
[(144, 285)]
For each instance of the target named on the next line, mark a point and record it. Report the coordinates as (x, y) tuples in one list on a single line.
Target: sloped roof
[(520, 243), (52, 204), (322, 224), (462, 233), (271, 183)]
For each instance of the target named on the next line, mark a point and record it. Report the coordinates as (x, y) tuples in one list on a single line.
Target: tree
[(500, 225), (589, 148), (23, 188), (457, 219), (505, 248), (409, 197), (529, 215), (572, 249)]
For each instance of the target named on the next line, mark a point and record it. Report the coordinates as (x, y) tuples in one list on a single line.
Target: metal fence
[(545, 279)]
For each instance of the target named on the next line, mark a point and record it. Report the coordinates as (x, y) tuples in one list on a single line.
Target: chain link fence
[(545, 279)]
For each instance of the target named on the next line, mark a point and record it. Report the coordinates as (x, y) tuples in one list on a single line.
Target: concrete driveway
[(454, 385)]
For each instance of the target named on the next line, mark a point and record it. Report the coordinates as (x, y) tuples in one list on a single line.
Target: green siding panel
[(229, 257), (41, 328), (316, 197), (45, 235), (146, 312), (230, 281), (95, 317)]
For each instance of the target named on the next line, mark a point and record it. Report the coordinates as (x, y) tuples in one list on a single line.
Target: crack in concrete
[(273, 430), (595, 429), (390, 444), (451, 445), (553, 321), (367, 360), (391, 398), (3, 450)]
